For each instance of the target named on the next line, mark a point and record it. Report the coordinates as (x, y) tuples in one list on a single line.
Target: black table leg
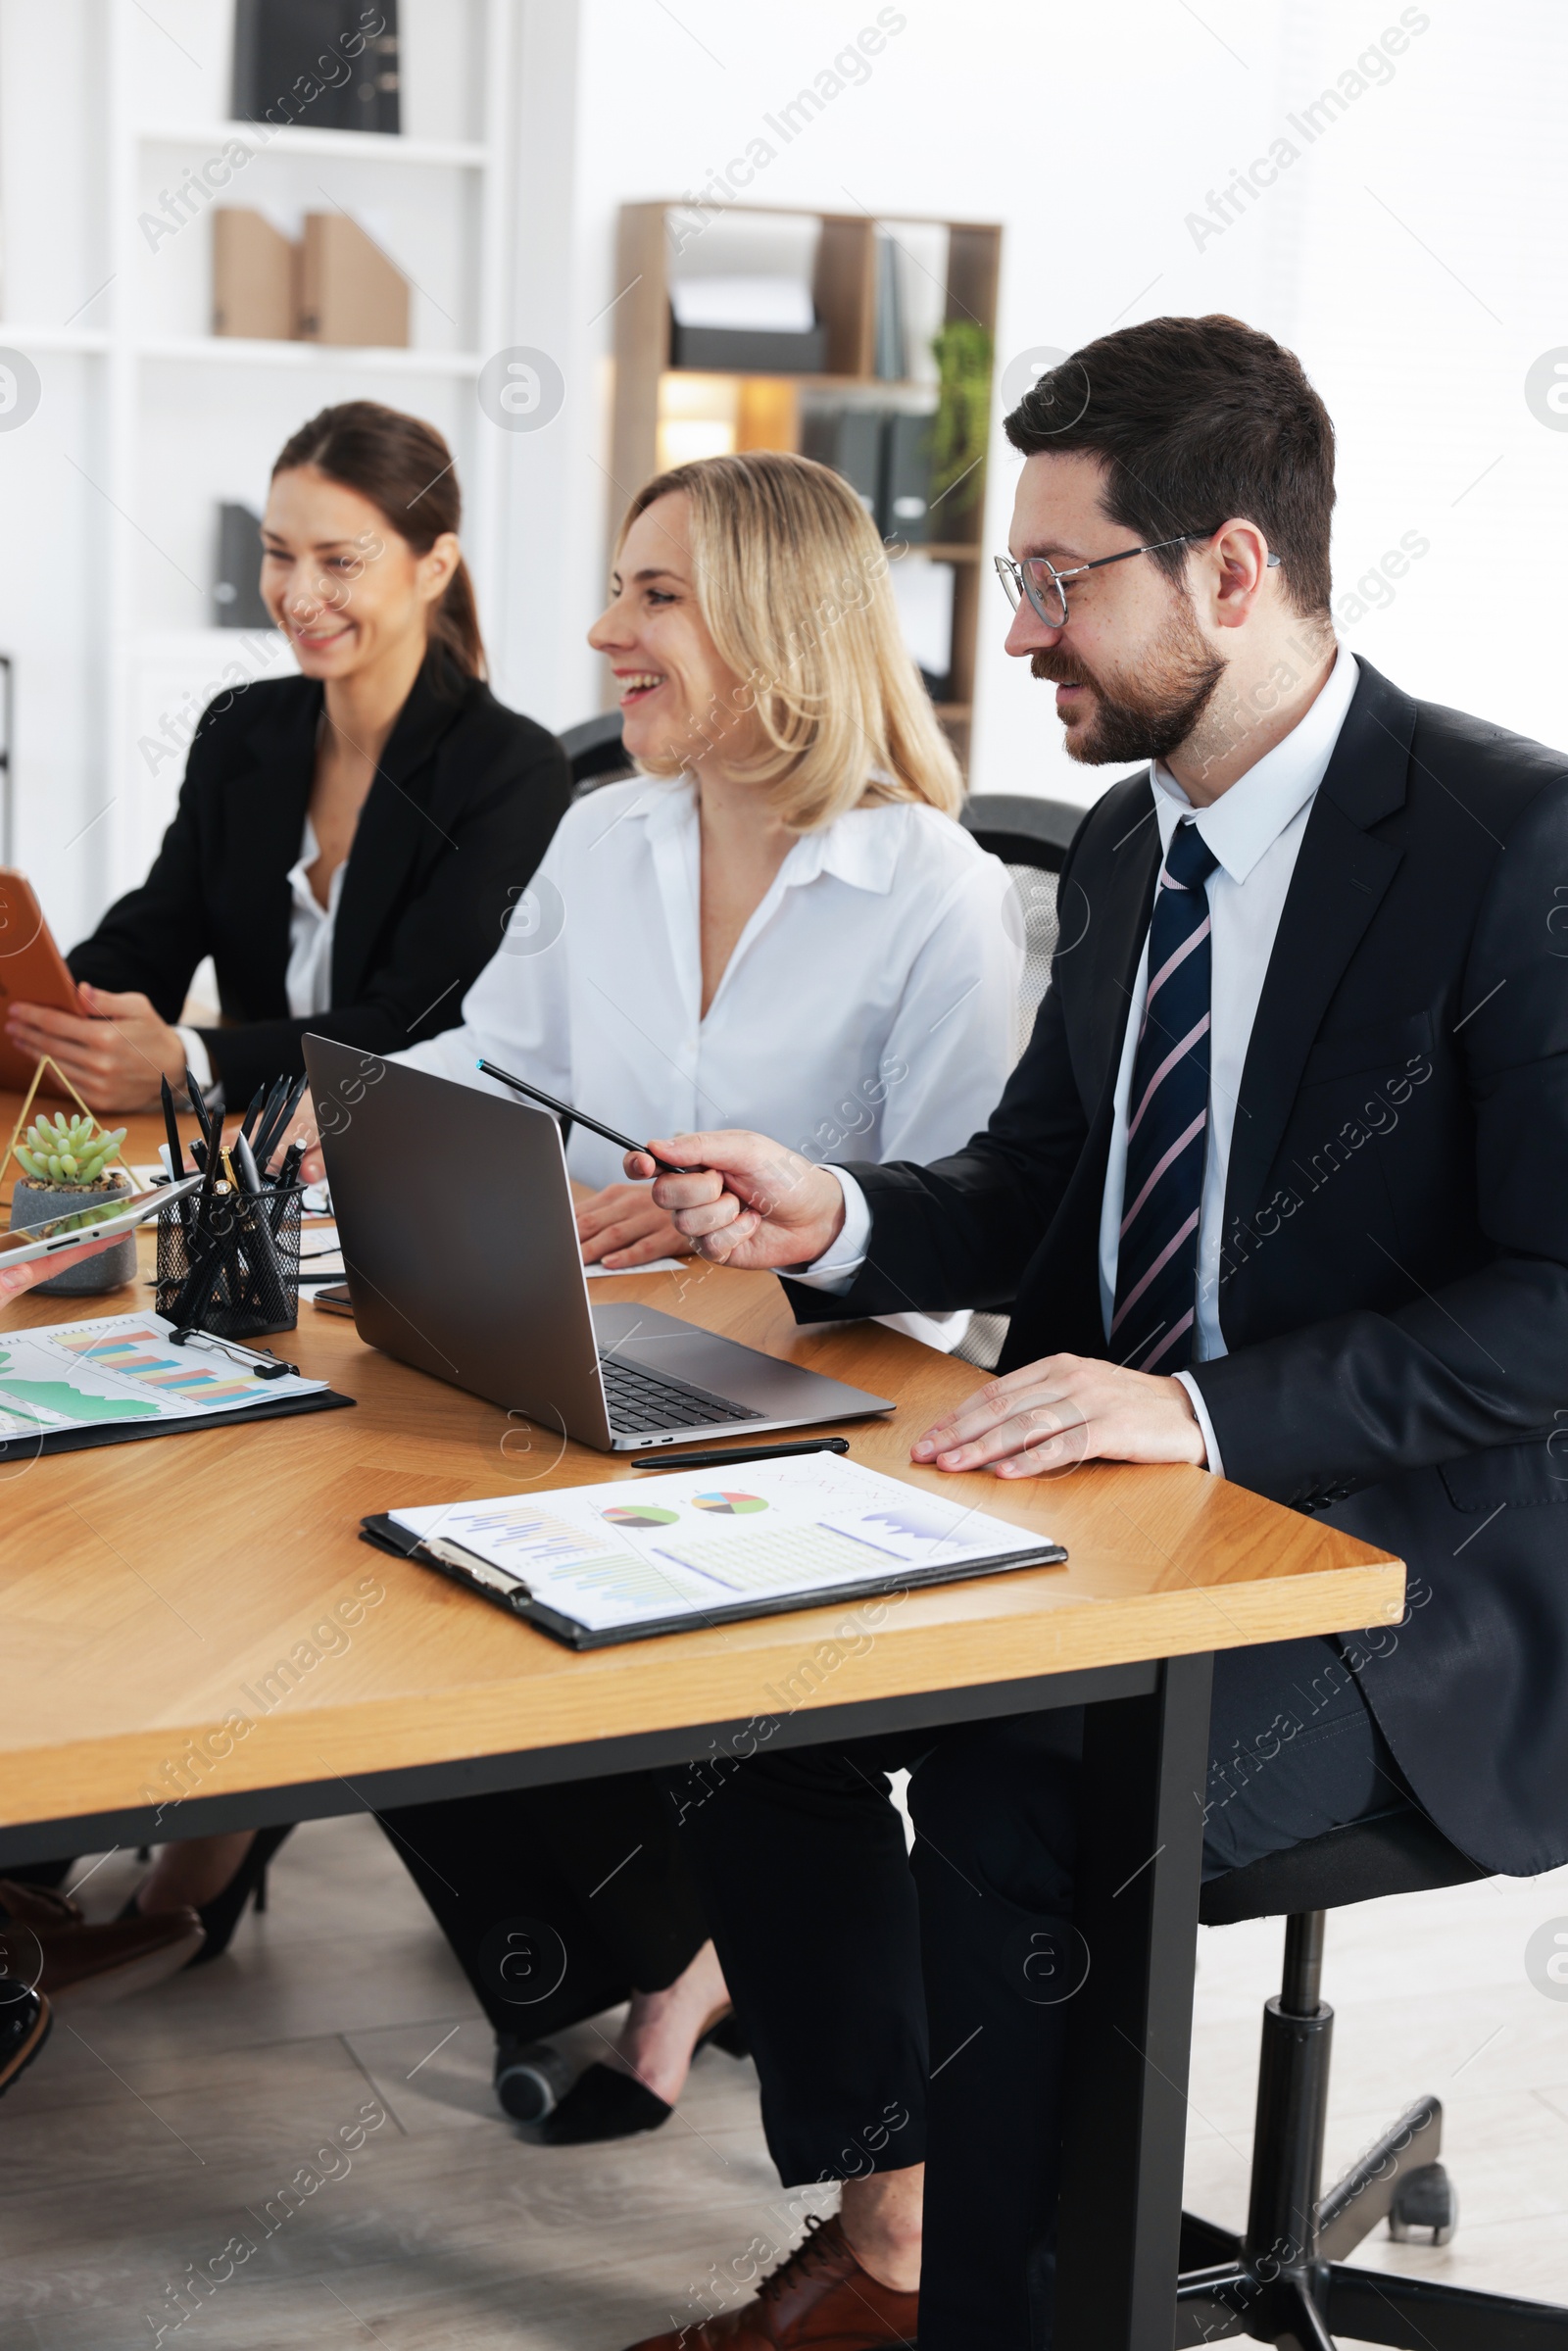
[(1145, 1765)]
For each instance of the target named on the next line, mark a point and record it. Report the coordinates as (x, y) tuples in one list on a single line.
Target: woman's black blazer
[(462, 809)]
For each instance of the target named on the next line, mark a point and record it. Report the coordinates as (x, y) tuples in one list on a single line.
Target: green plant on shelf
[(69, 1154), (964, 354)]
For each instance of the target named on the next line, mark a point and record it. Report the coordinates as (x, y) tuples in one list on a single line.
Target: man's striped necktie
[(1167, 1123)]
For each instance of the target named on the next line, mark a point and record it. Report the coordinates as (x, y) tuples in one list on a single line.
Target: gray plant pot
[(35, 1203)]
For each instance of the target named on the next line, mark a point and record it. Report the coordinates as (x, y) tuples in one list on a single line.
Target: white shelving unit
[(160, 421)]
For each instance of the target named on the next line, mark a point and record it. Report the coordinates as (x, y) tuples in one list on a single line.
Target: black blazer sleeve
[(1483, 1360), (463, 808), (504, 790)]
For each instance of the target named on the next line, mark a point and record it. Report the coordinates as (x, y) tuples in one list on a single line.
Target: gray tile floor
[(153, 2133)]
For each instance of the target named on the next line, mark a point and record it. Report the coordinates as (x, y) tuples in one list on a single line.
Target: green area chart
[(22, 1396)]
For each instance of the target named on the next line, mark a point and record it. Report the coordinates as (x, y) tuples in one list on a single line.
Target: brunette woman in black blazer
[(348, 846), (349, 842)]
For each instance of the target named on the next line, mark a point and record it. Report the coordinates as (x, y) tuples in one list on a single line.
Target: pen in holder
[(228, 1260)]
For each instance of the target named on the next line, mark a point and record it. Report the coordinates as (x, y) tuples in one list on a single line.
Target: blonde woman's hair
[(792, 582)]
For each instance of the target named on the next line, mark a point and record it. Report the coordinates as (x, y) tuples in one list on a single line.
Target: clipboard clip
[(263, 1365), (472, 1569)]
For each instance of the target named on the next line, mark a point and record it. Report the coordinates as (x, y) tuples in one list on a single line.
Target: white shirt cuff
[(836, 1268), (198, 1060), (1211, 1441)]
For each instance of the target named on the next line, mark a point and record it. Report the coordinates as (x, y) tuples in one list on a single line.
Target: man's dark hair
[(1197, 419)]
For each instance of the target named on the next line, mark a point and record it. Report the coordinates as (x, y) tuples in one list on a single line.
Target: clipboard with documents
[(69, 1385), (592, 1565)]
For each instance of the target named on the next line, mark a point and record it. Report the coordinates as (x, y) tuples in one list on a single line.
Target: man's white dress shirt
[(867, 1007), (1255, 830)]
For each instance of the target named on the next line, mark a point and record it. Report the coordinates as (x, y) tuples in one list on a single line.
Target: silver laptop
[(460, 1244)]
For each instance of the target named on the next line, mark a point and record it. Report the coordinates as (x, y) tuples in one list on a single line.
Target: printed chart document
[(606, 1562), (123, 1368)]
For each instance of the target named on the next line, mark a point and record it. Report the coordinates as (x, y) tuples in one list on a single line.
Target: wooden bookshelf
[(662, 411)]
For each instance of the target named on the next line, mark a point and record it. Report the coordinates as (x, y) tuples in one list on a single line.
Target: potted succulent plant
[(66, 1165)]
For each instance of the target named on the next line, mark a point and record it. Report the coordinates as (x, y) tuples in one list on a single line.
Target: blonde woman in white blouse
[(780, 910), (778, 924)]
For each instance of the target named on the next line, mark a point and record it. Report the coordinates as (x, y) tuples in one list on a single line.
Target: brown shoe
[(45, 1940), (820, 2297)]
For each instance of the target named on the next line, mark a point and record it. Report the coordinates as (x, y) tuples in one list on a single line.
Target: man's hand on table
[(748, 1201), (1050, 1415)]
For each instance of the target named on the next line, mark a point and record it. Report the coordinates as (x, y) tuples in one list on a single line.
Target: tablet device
[(33, 972), (118, 1214)]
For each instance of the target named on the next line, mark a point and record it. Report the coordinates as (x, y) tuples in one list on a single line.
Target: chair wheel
[(1425, 2208)]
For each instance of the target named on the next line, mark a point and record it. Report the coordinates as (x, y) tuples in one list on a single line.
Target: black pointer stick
[(565, 1110), (177, 1162), (259, 1133), (267, 1142), (198, 1104)]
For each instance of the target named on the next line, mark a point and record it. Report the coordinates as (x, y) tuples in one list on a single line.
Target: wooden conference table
[(150, 1594)]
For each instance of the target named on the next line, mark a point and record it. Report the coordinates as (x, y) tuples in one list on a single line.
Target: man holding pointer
[(1279, 1188)]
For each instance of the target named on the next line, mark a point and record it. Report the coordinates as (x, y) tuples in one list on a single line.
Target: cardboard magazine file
[(349, 291), (255, 273)]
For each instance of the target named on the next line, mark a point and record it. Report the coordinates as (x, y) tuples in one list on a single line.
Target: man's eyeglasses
[(1046, 586)]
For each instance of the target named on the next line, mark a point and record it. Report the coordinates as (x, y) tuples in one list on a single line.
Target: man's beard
[(1149, 717)]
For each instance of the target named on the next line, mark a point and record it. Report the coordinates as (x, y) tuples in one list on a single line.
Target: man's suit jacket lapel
[(1110, 929), (397, 824), (1101, 938), (1342, 872)]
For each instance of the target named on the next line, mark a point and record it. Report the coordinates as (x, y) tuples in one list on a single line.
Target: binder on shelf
[(925, 592), (850, 440), (237, 588), (349, 291), (748, 349), (254, 270), (327, 64), (906, 491), (891, 344), (748, 323)]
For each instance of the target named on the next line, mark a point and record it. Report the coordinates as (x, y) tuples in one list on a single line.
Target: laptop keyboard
[(641, 1401)]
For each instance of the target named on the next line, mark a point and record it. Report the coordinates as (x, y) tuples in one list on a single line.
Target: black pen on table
[(565, 1110), (716, 1458)]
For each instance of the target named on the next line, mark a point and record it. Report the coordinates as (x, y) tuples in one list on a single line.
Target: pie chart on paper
[(640, 1514), (729, 1505)]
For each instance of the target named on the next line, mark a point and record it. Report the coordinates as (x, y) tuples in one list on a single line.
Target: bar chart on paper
[(123, 1367), (145, 1357)]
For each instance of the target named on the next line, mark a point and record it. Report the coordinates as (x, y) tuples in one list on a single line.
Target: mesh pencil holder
[(234, 1268)]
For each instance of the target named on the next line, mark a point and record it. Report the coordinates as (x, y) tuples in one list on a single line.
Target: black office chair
[(1030, 837), (595, 753), (1285, 2280)]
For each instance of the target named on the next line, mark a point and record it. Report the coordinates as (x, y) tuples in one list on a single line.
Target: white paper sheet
[(635, 1550), (123, 1368)]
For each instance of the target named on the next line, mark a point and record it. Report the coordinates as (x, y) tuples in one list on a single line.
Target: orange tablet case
[(33, 972)]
